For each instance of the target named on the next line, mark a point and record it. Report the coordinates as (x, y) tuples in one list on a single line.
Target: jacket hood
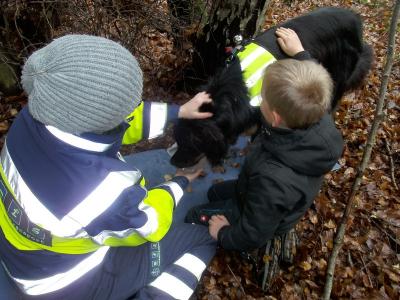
[(312, 151)]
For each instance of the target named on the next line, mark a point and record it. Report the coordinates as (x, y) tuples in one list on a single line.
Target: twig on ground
[(389, 152), (238, 281), (366, 270)]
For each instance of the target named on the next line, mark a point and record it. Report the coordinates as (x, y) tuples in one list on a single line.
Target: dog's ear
[(196, 138), (214, 144), (187, 134)]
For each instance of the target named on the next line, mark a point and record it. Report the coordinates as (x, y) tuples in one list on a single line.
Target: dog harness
[(253, 61)]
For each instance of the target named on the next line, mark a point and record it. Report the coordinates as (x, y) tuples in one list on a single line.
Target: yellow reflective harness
[(253, 61)]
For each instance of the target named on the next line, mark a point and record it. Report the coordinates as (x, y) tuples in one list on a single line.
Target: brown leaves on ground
[(368, 266)]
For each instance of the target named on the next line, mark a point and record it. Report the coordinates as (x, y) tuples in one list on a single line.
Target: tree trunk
[(217, 24)]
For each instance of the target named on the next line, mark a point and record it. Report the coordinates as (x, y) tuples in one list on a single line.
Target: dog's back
[(333, 36)]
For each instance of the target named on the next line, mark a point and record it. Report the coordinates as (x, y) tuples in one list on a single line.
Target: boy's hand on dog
[(215, 224), (190, 110), (289, 41)]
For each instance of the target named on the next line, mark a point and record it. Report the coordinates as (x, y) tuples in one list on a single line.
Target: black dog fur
[(333, 36)]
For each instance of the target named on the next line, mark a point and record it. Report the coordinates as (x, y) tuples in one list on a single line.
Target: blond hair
[(299, 91)]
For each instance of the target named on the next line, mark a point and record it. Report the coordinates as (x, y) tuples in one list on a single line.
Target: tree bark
[(219, 22), (379, 116)]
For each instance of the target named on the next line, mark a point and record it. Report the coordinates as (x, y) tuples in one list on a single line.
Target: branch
[(389, 151), (379, 115)]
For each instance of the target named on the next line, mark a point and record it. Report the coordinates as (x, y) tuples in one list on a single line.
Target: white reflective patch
[(176, 190), (158, 118), (35, 210), (103, 196), (256, 100), (148, 228), (120, 157), (105, 234), (192, 263), (77, 141), (172, 286), (252, 57), (252, 80), (58, 281), (172, 150), (151, 225)]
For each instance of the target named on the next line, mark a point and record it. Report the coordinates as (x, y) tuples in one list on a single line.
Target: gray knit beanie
[(82, 83)]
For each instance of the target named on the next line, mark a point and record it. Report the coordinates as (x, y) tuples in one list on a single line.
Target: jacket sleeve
[(265, 207), (149, 120), (139, 215), (304, 55)]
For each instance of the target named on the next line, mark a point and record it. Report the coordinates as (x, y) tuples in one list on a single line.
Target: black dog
[(333, 36)]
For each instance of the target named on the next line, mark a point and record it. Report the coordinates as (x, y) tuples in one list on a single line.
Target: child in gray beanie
[(79, 222)]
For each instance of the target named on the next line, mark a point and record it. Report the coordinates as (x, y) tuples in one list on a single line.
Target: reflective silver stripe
[(148, 228), (101, 198), (151, 225), (105, 234), (61, 280), (158, 118), (252, 80), (252, 57), (36, 211), (77, 141), (256, 100), (172, 286), (92, 206), (176, 190), (192, 263)]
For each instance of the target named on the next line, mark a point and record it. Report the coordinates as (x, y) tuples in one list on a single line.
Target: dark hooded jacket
[(281, 176)]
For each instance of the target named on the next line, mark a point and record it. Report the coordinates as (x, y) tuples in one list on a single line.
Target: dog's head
[(196, 140), (232, 114)]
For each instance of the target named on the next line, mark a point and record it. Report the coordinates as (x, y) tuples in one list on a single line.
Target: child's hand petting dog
[(190, 110), (289, 41)]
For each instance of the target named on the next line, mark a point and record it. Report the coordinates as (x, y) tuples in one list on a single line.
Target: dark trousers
[(169, 269), (222, 201)]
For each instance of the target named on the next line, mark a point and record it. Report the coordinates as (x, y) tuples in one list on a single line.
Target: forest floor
[(368, 266)]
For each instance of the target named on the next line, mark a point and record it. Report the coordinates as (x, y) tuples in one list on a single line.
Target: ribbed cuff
[(303, 55), (173, 110), (182, 181)]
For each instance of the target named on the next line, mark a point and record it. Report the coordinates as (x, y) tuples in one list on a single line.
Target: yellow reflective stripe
[(132, 240), (135, 132), (258, 64), (59, 245), (254, 59), (247, 51), (163, 203), (256, 89)]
